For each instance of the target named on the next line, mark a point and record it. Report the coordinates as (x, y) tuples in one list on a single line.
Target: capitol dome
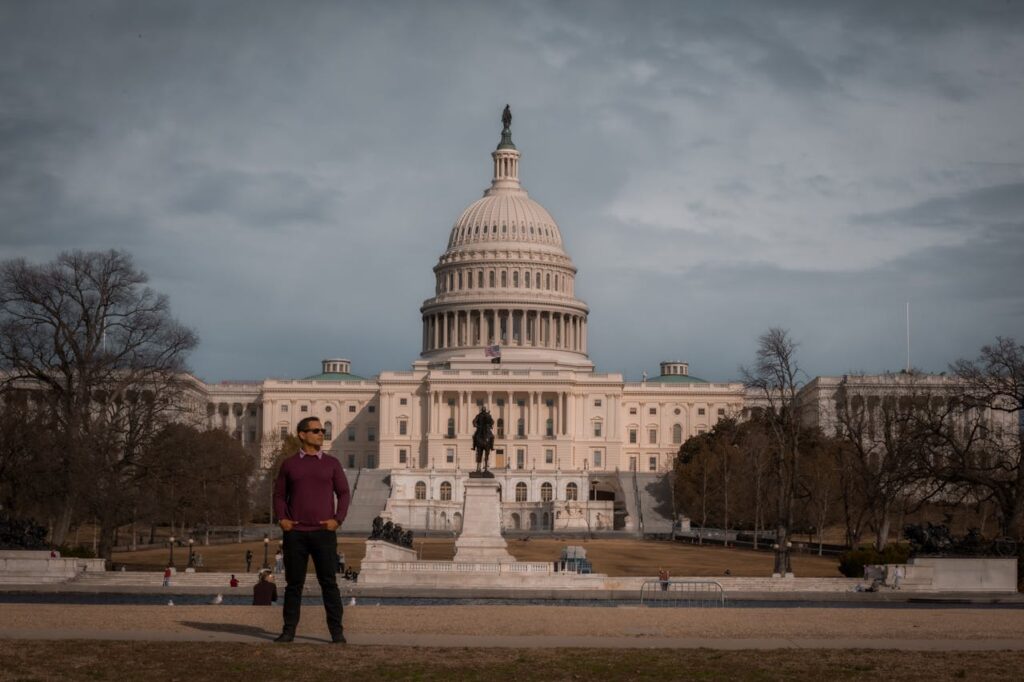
[(505, 279)]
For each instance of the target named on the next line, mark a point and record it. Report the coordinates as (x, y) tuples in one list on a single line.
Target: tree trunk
[(62, 525)]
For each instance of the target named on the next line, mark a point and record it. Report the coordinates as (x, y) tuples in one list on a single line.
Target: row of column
[(534, 412), (508, 327)]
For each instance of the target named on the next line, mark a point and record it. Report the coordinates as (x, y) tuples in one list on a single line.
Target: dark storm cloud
[(703, 160), (985, 205)]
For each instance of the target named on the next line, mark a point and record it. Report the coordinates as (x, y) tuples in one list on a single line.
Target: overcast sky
[(288, 172)]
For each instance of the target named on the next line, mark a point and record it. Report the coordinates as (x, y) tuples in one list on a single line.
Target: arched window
[(571, 491), (515, 278), (545, 492), (504, 278), (547, 281), (421, 490), (520, 492), (490, 278), (460, 280), (536, 278), (480, 279), (446, 491), (328, 430), (677, 433), (527, 282)]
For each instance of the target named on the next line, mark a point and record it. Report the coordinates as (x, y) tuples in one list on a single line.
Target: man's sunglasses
[(314, 430)]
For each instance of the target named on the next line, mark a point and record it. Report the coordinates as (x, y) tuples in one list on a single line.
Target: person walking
[(279, 562), (304, 503), (663, 579)]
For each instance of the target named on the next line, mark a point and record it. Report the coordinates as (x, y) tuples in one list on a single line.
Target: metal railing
[(701, 593)]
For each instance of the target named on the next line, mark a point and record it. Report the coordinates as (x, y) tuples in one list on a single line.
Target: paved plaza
[(538, 626)]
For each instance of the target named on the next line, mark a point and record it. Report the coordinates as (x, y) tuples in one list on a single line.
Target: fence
[(702, 593)]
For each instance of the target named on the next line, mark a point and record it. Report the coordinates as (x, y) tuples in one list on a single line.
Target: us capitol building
[(575, 449)]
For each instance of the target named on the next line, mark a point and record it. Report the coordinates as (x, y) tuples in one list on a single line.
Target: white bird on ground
[(170, 602), (352, 601), (218, 599)]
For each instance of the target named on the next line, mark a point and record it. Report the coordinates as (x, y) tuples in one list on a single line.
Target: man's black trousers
[(299, 546)]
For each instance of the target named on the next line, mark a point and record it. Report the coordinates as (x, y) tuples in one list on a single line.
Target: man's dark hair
[(305, 422)]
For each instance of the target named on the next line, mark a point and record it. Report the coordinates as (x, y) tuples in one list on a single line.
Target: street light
[(191, 552), (266, 548), (170, 560)]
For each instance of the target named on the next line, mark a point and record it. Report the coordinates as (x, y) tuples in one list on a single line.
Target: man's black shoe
[(338, 638), (285, 637)]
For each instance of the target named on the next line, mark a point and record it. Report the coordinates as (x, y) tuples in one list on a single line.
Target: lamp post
[(266, 549), (170, 560), (191, 552)]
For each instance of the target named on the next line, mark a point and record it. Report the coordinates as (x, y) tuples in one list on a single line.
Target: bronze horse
[(483, 437)]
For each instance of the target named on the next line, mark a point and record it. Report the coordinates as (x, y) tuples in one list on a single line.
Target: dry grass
[(87, 660), (612, 557)]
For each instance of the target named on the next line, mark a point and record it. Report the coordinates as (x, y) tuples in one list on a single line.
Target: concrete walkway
[(524, 627), (530, 642)]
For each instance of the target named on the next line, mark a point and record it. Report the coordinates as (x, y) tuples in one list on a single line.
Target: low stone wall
[(17, 566), (987, 574)]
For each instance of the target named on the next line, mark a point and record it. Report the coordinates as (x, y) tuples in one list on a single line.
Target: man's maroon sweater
[(305, 489)]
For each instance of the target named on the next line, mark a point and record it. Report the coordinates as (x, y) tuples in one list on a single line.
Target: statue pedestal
[(480, 540)]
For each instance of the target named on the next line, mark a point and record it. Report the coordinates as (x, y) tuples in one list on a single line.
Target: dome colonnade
[(505, 277)]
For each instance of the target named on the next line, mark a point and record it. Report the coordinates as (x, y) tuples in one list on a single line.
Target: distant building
[(564, 432)]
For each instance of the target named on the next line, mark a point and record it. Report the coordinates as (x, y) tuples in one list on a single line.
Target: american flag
[(492, 351)]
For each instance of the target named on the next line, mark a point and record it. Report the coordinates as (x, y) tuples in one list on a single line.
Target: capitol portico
[(571, 443)]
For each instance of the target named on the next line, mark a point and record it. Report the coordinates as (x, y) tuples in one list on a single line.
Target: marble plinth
[(480, 540)]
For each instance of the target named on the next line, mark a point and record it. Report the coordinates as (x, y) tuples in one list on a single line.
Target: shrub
[(852, 562), (76, 552)]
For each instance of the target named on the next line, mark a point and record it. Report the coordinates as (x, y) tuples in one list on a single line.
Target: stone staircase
[(655, 502), (371, 489)]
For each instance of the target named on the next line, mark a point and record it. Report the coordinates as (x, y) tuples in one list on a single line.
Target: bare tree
[(776, 376), (877, 421), (974, 443), (106, 358)]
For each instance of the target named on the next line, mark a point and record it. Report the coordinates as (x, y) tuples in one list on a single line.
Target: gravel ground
[(802, 623)]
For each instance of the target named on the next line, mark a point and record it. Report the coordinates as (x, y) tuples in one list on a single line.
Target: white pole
[(908, 336)]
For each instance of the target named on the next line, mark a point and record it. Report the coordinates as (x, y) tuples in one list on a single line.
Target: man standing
[(304, 505)]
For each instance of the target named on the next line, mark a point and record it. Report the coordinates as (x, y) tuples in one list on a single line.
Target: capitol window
[(701, 411), (284, 408), (571, 491), (403, 427), (677, 433), (597, 429), (520, 492), (480, 279), (549, 456), (490, 278), (446, 491), (545, 492), (351, 433), (652, 464), (403, 456), (515, 278), (547, 281), (328, 430), (632, 435), (421, 490), (652, 436), (527, 282), (504, 278)]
